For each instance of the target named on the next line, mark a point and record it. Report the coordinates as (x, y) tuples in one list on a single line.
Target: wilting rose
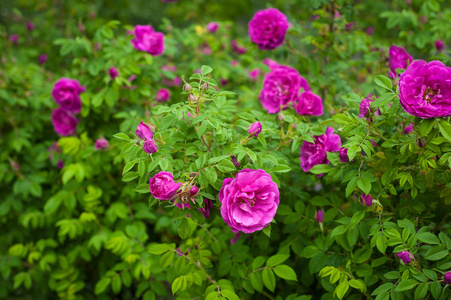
[(147, 40), (249, 201), (366, 199), (268, 28), (64, 122), (163, 187), (425, 89)]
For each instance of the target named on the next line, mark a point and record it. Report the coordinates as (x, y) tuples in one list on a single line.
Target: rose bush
[(249, 180)]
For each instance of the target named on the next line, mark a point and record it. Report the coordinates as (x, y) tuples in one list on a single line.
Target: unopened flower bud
[(280, 117), (191, 98), (319, 216), (254, 129), (447, 278), (294, 126), (366, 200), (193, 191), (150, 146), (187, 87), (205, 86), (405, 256)]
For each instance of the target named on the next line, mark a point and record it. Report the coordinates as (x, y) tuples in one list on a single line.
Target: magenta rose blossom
[(268, 28), (147, 40), (280, 86), (163, 187), (343, 154), (366, 200), (30, 26), (101, 144), (64, 122), (254, 74), (143, 131), (405, 256), (447, 278), (150, 146), (315, 154), (399, 58), (425, 89), (206, 209), (212, 27), (66, 93), (162, 95), (60, 164), (365, 106), (272, 64), (14, 38), (249, 201), (309, 104), (193, 191), (254, 129)]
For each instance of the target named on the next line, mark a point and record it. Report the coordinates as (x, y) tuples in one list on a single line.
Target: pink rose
[(399, 58), (309, 104), (249, 201), (66, 93), (150, 146), (143, 131), (268, 28), (254, 129), (113, 72), (212, 27), (343, 154), (315, 154), (366, 200), (163, 187), (101, 144), (147, 40), (64, 122), (162, 95), (319, 216), (405, 256)]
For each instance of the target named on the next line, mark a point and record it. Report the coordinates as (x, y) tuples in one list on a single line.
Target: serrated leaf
[(285, 272)]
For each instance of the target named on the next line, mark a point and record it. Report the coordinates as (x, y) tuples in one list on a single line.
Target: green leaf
[(129, 176), (341, 119), (184, 229), (285, 272), (383, 82), (128, 166), (381, 244), (158, 249), (405, 285), (180, 283), (320, 169), (166, 259), (429, 238), (102, 285), (382, 289), (383, 100), (358, 284), (365, 185), (116, 284), (225, 166), (436, 253), (421, 291), (269, 279), (341, 289), (281, 169), (426, 126), (277, 259), (229, 294), (206, 70), (445, 129)]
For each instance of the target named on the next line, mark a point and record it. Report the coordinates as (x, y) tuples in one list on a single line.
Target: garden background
[(124, 150)]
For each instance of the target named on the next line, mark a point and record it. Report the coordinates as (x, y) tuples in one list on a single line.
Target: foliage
[(92, 230)]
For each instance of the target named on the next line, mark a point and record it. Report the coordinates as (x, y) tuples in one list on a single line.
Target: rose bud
[(447, 278), (319, 216), (405, 256), (150, 146), (254, 129), (193, 191)]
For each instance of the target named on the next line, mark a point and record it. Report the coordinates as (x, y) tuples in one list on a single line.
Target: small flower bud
[(447, 278), (280, 117), (187, 87), (205, 86), (150, 146), (254, 129), (366, 200), (405, 257), (191, 98), (343, 154), (235, 162), (294, 126), (319, 216), (193, 191)]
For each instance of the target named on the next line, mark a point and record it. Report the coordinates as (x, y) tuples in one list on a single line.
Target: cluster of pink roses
[(144, 132), (283, 85), (66, 93)]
